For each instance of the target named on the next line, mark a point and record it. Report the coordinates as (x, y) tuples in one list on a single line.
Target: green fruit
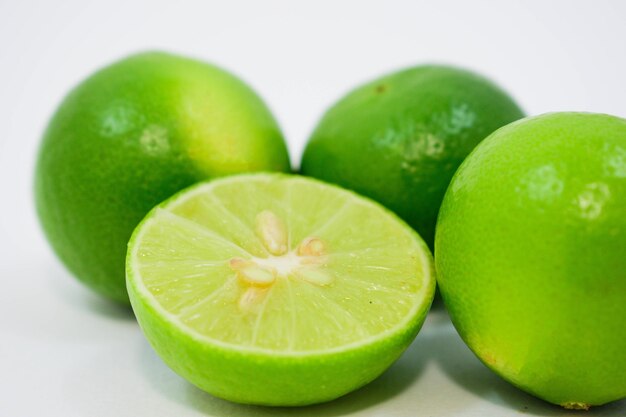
[(531, 256), (130, 136), (399, 139), (277, 289)]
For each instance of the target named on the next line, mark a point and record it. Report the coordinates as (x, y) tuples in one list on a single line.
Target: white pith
[(284, 265)]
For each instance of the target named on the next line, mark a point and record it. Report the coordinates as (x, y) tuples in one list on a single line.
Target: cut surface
[(280, 263)]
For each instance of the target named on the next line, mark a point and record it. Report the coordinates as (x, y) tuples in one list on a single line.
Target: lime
[(130, 136), (276, 289), (531, 256), (399, 139)]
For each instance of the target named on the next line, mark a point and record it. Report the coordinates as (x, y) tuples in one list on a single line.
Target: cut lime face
[(277, 289)]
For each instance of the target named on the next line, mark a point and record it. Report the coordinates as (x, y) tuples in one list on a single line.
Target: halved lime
[(277, 289)]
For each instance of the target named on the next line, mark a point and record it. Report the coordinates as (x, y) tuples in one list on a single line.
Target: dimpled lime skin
[(531, 256), (130, 136), (400, 138)]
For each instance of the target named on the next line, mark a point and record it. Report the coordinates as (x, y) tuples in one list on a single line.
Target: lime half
[(277, 289)]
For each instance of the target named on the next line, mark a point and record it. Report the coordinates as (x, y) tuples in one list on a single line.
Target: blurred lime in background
[(400, 138), (131, 135)]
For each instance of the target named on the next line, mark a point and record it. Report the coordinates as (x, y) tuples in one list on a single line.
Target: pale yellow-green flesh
[(379, 269)]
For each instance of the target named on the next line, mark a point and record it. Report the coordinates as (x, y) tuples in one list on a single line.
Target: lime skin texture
[(308, 342), (131, 135), (531, 256), (400, 138)]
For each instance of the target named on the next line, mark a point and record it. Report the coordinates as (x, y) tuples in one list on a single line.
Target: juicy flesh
[(285, 264)]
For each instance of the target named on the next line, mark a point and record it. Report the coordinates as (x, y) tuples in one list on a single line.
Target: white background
[(65, 352)]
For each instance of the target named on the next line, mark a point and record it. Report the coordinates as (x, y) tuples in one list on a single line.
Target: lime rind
[(254, 377)]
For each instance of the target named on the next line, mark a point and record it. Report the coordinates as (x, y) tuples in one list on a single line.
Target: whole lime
[(399, 139), (131, 135), (531, 256)]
